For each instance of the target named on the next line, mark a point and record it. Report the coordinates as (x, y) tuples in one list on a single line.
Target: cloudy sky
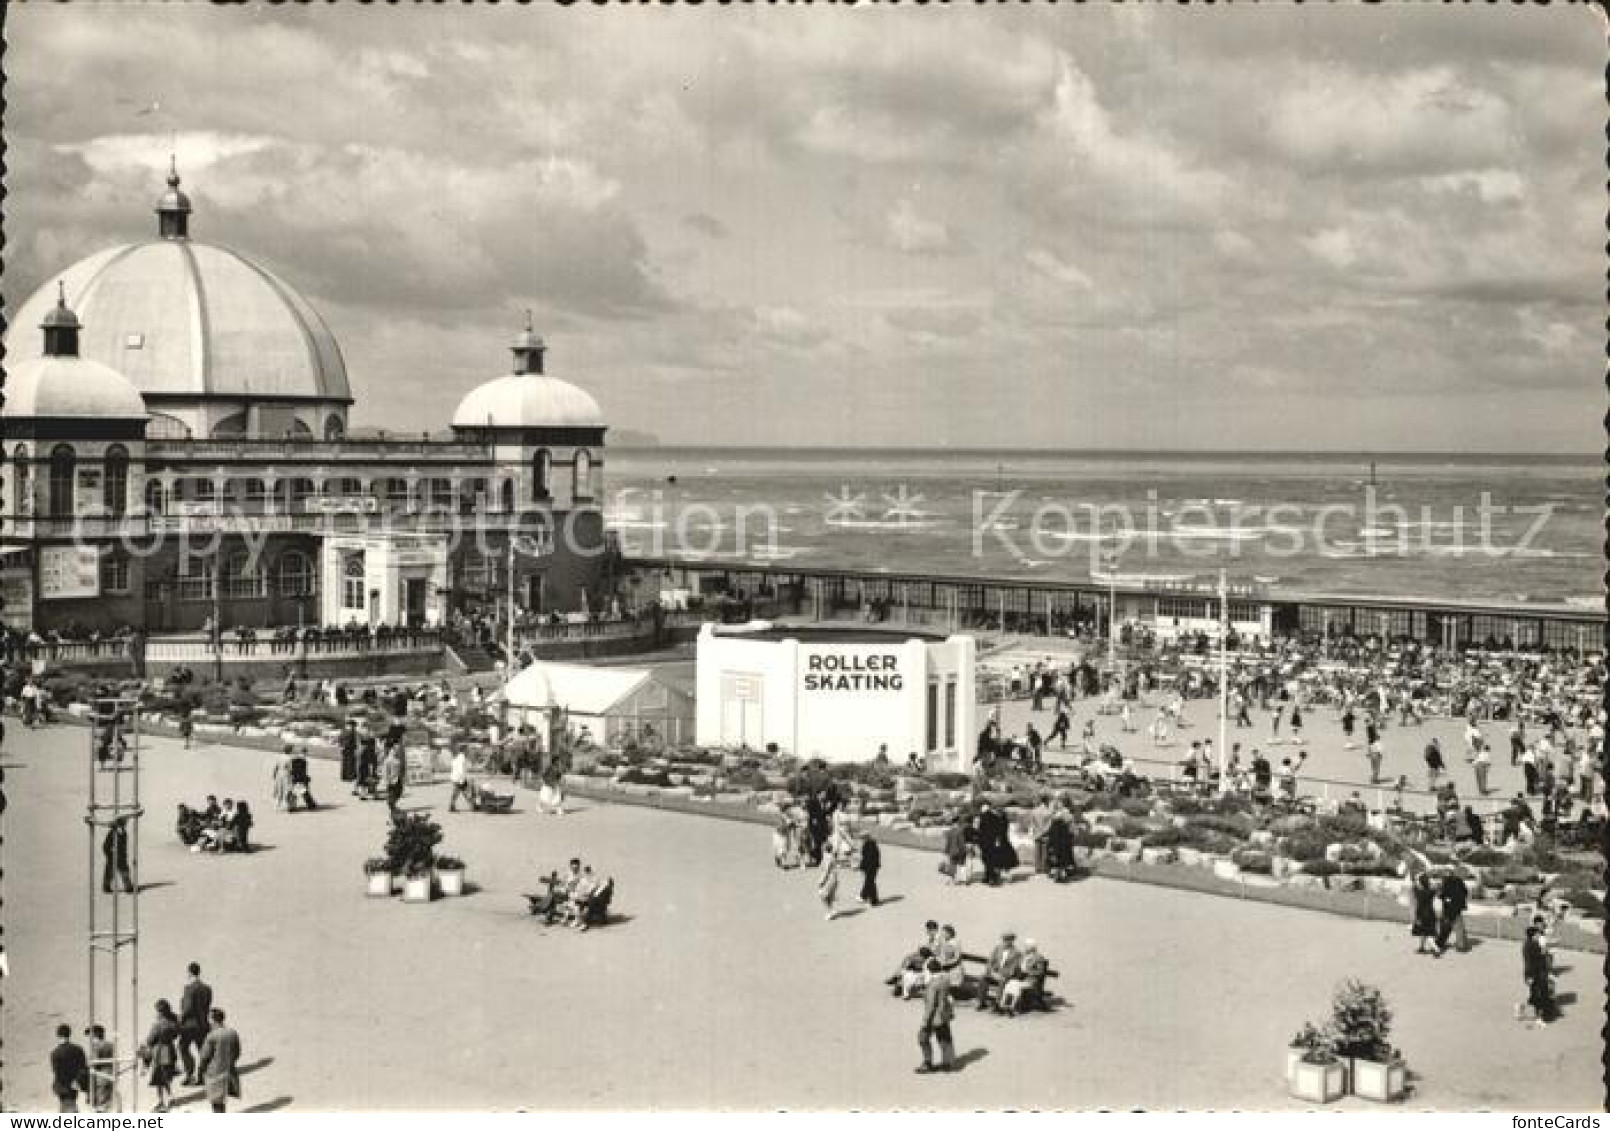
[(1134, 227)]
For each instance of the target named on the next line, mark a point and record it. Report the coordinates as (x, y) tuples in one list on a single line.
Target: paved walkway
[(721, 987)]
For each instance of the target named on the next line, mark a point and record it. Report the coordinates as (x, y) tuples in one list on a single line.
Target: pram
[(486, 799)]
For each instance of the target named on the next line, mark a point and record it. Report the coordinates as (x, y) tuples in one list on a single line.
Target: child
[(827, 886), (781, 841)]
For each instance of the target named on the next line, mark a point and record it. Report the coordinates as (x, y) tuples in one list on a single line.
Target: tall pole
[(508, 664), (1224, 681)]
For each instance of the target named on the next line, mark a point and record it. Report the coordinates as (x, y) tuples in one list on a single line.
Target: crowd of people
[(576, 899), (215, 828)]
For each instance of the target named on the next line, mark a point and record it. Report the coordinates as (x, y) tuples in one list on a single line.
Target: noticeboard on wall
[(67, 572)]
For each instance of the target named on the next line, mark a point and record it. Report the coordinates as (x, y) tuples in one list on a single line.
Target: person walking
[(1425, 912), (1455, 896), (827, 884), (161, 1053), (1482, 763), (1535, 970), (391, 776), (937, 1014), (458, 774), (69, 1070), (954, 865), (220, 1059), (349, 751), (1373, 753), (193, 1006), (1435, 767), (871, 861), (281, 777), (102, 1068), (115, 854)]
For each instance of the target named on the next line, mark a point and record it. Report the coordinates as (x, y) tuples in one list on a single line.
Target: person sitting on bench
[(556, 902), (909, 974), (579, 897), (1004, 964), (1027, 990)]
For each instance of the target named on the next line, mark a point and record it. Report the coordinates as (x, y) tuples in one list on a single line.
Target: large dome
[(188, 319)]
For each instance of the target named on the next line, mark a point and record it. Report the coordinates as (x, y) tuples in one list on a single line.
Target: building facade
[(176, 453)]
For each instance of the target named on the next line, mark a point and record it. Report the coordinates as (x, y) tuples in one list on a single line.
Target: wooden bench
[(972, 983)]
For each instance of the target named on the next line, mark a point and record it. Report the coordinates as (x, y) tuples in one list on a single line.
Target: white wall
[(835, 701)]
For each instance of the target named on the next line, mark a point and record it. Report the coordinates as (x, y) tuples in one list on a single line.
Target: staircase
[(470, 658)]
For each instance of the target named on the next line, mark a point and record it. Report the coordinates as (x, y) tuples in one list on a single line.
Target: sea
[(1510, 528)]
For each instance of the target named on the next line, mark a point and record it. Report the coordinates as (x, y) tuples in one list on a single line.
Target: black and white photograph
[(749, 557)]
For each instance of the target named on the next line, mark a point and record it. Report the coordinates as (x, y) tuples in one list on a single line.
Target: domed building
[(216, 343), (176, 456)]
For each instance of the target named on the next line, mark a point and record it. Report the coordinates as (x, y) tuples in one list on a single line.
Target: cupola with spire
[(173, 210), (527, 397), (61, 327), (528, 349)]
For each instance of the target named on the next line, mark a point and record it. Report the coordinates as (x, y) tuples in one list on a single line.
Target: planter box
[(416, 889), (1318, 1083), (450, 881), (1190, 856), (379, 884), (1226, 869), (1157, 855), (1382, 1083)]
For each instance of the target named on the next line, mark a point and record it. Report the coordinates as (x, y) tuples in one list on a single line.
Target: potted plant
[(1318, 1074), (450, 875), (1361, 1022), (378, 869), (411, 847)]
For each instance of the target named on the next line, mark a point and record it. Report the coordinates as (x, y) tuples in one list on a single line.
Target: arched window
[(334, 428), (63, 473), (506, 496), (582, 475), (294, 575), (243, 575), (353, 597), (22, 481), (230, 426), (161, 426), (541, 466), (155, 498), (115, 485)]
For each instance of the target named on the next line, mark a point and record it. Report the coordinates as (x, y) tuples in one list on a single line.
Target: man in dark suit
[(1455, 898), (69, 1070), (115, 851), (220, 1057), (193, 1009), (1005, 961), (937, 1013), (871, 861)]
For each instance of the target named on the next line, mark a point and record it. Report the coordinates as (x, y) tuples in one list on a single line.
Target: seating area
[(576, 899)]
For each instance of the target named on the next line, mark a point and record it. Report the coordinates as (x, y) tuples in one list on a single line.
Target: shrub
[(1253, 860), (1163, 838), (1130, 827), (1362, 1022), (1511, 874), (449, 864), (1084, 838), (1304, 846), (1486, 858), (1587, 902), (1135, 807), (1318, 1045), (639, 776), (1321, 868), (1207, 840), (411, 843), (1238, 827), (1583, 879), (949, 781), (1186, 806)]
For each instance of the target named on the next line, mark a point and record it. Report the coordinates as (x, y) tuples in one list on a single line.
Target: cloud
[(910, 232), (706, 225)]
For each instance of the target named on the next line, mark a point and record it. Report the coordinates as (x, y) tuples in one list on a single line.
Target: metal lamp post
[(1224, 681)]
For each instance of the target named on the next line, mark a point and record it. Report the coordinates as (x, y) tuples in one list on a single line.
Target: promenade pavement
[(720, 986)]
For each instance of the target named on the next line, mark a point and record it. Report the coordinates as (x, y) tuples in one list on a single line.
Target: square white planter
[(416, 889), (1318, 1083), (451, 881), (1382, 1083), (379, 884), (1226, 869)]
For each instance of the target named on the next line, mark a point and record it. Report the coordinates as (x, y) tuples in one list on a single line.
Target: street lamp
[(1224, 681)]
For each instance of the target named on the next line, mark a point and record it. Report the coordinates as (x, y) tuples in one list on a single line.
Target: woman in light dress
[(827, 884), (281, 778)]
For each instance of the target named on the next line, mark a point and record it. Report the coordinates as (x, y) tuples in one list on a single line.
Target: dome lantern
[(528, 349), (61, 327), (173, 210)]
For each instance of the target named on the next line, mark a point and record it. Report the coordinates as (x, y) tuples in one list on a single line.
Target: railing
[(387, 450), (340, 646)]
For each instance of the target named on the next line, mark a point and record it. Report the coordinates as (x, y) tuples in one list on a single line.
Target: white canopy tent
[(614, 705)]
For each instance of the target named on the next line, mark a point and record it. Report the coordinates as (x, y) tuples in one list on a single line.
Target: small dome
[(173, 200), (42, 387), (527, 400)]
